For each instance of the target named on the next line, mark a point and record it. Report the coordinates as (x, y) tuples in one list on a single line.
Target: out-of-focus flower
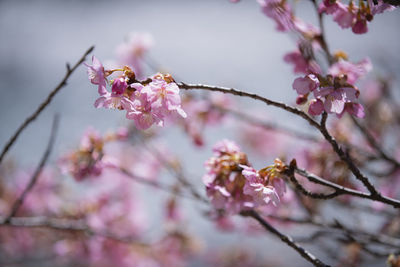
[(353, 71), (351, 15), (88, 160), (204, 113), (280, 12), (133, 50)]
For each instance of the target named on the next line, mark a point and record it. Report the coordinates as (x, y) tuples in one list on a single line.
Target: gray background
[(208, 41)]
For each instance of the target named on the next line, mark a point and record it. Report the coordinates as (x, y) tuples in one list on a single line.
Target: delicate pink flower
[(305, 85), (255, 186), (141, 112), (316, 107), (225, 147), (335, 98), (132, 51), (360, 25), (97, 75), (117, 99), (343, 15), (164, 97), (354, 109), (280, 12), (300, 64), (353, 71)]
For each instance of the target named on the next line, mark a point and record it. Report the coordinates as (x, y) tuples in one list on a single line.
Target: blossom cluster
[(353, 16), (335, 92), (146, 102), (88, 159), (233, 185)]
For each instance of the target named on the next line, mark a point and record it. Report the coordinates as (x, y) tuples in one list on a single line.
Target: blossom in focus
[(117, 99), (336, 92), (97, 75), (256, 187), (233, 186), (164, 96), (145, 102)]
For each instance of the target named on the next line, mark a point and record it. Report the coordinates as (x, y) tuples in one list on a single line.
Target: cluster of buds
[(146, 102), (234, 186), (353, 16), (89, 159)]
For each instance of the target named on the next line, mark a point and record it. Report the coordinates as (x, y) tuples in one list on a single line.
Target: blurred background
[(209, 41)]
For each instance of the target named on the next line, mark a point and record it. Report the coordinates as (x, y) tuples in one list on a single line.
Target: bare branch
[(18, 203), (286, 239), (371, 140), (44, 104), (61, 224)]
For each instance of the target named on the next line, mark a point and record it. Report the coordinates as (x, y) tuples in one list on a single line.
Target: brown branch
[(44, 104), (322, 36), (341, 190), (286, 239), (61, 224), (177, 173), (349, 162), (18, 203), (371, 140), (167, 188), (304, 191), (268, 125), (267, 101)]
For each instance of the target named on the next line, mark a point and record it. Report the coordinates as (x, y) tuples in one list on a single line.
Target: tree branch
[(18, 203), (286, 239), (44, 104)]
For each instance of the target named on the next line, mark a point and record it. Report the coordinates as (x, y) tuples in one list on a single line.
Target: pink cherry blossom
[(132, 51), (97, 75), (316, 107), (280, 12), (255, 187), (305, 85), (117, 99), (335, 98), (141, 112), (353, 71), (164, 97)]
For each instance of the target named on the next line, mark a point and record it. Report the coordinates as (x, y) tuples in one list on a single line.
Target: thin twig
[(167, 188), (341, 190), (177, 173), (17, 204), (322, 36), (286, 239), (44, 104), (61, 224), (371, 140), (267, 101), (268, 125)]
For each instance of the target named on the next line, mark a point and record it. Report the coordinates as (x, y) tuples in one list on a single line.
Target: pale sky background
[(208, 41)]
